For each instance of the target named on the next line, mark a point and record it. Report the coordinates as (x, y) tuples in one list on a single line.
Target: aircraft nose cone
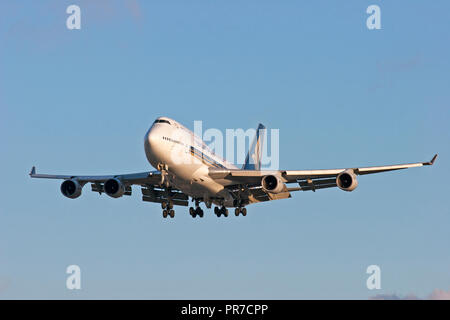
[(151, 140), (151, 146)]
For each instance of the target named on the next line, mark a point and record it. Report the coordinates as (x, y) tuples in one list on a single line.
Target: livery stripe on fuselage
[(204, 158)]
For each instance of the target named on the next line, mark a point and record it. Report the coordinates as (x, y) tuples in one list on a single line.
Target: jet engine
[(272, 184), (347, 180), (114, 188), (71, 188)]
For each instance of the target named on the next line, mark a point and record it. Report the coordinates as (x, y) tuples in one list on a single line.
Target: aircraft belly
[(193, 180)]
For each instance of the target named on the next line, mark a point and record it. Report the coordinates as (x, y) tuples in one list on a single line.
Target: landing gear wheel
[(170, 205), (237, 211), (172, 213), (198, 212), (165, 213), (164, 205), (192, 212), (244, 211), (221, 211)]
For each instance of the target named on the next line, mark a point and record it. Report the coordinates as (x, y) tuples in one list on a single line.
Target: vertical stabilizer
[(253, 158)]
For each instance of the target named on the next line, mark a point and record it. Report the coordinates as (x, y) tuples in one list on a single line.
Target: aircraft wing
[(292, 175), (149, 181), (141, 178), (307, 179)]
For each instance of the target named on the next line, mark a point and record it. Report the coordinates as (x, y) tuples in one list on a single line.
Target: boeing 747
[(187, 168)]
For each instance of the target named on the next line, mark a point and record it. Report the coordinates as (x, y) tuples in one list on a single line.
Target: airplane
[(188, 168)]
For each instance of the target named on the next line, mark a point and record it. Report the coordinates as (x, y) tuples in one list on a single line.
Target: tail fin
[(253, 158)]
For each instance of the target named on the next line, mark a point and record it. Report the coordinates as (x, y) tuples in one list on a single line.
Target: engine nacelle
[(114, 188), (272, 184), (347, 180), (71, 188)]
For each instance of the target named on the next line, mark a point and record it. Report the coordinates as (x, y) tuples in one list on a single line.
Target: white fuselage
[(171, 147)]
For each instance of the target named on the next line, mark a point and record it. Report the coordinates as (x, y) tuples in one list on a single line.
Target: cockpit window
[(161, 121)]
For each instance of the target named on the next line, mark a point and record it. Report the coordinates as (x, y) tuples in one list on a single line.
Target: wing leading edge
[(294, 175), (141, 178)]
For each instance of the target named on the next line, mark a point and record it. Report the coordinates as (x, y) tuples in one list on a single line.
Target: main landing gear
[(197, 211), (167, 207), (240, 210), (221, 211)]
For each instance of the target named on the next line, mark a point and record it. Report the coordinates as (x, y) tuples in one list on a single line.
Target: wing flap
[(152, 194), (311, 184)]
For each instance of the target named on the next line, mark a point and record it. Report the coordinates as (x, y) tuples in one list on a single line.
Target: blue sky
[(80, 101)]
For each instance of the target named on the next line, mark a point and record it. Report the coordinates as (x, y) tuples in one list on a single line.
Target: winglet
[(430, 163), (33, 171)]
